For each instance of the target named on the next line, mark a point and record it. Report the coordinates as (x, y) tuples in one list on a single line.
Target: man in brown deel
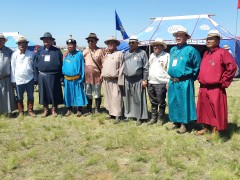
[(93, 57)]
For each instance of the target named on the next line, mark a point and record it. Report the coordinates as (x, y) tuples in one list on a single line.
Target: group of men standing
[(125, 77)]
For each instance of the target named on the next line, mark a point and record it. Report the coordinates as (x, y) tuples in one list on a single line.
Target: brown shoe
[(79, 113), (45, 113), (54, 112), (30, 109), (215, 134), (31, 114), (182, 129), (173, 126), (20, 108), (69, 112), (201, 132)]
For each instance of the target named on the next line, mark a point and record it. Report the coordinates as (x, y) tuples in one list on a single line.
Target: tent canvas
[(198, 27), (12, 41)]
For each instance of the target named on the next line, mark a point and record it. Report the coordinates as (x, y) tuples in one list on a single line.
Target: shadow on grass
[(227, 134)]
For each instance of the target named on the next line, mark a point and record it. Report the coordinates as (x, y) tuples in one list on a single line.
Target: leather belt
[(4, 77), (179, 79), (71, 78), (110, 78), (210, 86)]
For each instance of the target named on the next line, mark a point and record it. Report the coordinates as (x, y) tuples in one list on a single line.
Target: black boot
[(98, 104), (89, 107), (161, 114), (154, 115)]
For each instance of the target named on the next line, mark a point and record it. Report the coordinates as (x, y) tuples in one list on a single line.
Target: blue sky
[(32, 18)]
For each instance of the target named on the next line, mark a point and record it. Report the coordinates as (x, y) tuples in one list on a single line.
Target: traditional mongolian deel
[(216, 73), (92, 72), (112, 74), (183, 70), (48, 72), (73, 70), (135, 70), (7, 97)]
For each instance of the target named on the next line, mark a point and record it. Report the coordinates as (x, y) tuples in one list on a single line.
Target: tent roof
[(197, 26)]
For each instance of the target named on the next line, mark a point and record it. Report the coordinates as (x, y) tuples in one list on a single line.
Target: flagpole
[(115, 23), (235, 44)]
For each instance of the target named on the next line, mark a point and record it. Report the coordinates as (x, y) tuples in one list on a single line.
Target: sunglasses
[(90, 41), (131, 42)]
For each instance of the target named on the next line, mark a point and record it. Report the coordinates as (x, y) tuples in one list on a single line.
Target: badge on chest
[(47, 58), (174, 63)]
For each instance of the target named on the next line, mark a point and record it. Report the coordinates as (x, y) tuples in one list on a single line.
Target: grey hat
[(92, 35), (47, 35), (3, 37)]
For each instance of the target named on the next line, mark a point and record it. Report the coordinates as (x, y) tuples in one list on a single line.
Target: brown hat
[(159, 41), (3, 37), (22, 39), (92, 35), (112, 38)]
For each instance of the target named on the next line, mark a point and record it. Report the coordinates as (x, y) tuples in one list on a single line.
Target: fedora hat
[(112, 38), (214, 33), (92, 35), (22, 39), (133, 38), (47, 35), (3, 37), (159, 41), (182, 30)]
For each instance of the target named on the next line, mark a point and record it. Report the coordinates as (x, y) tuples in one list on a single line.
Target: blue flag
[(120, 27)]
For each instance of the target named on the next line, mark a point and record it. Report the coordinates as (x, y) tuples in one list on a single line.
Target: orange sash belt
[(70, 78)]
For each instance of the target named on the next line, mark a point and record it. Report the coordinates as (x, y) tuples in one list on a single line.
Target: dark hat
[(92, 35), (47, 35), (72, 41)]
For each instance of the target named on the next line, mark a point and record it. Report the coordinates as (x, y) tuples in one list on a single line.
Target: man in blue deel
[(183, 70), (73, 70)]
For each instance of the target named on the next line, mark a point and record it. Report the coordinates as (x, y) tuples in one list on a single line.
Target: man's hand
[(13, 84), (144, 83)]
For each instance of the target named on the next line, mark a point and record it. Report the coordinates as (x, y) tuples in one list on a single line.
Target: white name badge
[(47, 58), (174, 63)]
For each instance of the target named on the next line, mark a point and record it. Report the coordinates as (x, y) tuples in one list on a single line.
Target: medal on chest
[(212, 62)]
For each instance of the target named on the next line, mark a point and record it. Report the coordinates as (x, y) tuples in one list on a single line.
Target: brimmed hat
[(226, 46), (92, 35), (182, 30), (3, 37), (133, 38), (47, 35), (214, 33), (22, 39), (159, 41), (112, 38)]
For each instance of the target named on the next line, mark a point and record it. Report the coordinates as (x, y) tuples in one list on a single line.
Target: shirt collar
[(210, 51)]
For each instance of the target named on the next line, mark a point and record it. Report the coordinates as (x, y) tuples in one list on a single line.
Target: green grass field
[(94, 148)]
